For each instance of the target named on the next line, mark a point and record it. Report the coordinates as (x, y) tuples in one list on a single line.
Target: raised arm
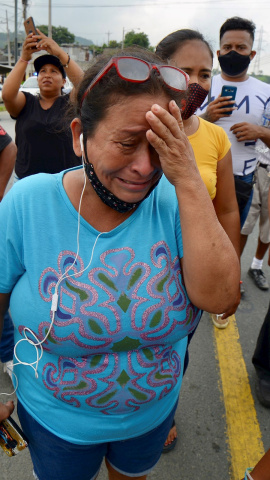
[(73, 71), (211, 268), (14, 99)]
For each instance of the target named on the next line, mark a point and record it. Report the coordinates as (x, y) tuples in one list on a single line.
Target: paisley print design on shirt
[(115, 327)]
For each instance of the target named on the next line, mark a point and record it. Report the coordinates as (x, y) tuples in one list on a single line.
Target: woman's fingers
[(165, 124), (176, 112), (167, 137), (40, 34), (6, 410)]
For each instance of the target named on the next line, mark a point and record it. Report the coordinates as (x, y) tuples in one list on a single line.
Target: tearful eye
[(127, 145)]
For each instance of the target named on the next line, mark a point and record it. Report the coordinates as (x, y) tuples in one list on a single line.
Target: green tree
[(59, 34), (114, 44), (132, 38)]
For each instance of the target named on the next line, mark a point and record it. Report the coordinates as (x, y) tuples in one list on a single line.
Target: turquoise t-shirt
[(112, 364)]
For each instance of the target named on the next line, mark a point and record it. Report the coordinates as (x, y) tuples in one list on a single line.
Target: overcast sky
[(100, 20)]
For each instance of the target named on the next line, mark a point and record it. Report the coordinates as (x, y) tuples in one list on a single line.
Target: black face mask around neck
[(108, 197), (233, 63)]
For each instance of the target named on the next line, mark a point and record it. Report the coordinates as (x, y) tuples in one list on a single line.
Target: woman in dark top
[(44, 142)]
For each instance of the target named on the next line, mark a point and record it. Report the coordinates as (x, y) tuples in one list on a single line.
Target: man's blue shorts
[(57, 459)]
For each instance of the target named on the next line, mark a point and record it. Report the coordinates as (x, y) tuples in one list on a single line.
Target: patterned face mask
[(108, 197), (196, 96)]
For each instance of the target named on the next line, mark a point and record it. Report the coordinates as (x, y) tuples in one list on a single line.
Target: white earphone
[(81, 142)]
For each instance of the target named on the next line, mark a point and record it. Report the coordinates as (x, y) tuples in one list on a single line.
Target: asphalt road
[(203, 450)]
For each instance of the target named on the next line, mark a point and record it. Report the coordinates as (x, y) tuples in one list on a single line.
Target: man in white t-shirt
[(242, 119)]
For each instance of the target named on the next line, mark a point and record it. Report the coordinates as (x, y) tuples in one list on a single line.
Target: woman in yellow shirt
[(188, 50)]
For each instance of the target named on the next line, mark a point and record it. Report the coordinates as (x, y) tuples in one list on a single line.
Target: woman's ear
[(76, 129)]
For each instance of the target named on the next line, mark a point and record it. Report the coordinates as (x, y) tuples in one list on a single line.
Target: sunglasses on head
[(136, 70)]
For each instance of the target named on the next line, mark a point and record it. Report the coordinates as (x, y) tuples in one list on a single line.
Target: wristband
[(66, 66), (247, 474), (23, 60)]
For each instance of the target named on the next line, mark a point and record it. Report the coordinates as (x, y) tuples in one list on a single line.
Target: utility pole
[(8, 41), (50, 20), (260, 49), (108, 33), (258, 54), (123, 38), (16, 33)]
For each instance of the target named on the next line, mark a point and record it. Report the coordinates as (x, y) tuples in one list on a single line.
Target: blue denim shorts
[(57, 459)]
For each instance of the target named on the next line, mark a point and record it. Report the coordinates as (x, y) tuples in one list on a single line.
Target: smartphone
[(12, 439), (228, 91), (29, 26)]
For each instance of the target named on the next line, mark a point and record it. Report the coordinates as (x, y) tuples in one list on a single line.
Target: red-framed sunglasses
[(136, 70)]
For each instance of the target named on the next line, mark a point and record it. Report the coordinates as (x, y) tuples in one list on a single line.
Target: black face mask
[(196, 96), (233, 63), (108, 197)]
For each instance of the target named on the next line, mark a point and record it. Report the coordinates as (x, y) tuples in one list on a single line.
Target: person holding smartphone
[(241, 117), (243, 123), (43, 140)]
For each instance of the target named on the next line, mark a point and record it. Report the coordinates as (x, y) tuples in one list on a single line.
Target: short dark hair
[(238, 23), (172, 42), (111, 89)]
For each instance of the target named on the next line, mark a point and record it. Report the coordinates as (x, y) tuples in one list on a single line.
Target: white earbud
[(81, 142)]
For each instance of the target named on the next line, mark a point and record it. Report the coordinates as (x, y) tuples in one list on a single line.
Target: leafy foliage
[(59, 34), (115, 44), (132, 38)]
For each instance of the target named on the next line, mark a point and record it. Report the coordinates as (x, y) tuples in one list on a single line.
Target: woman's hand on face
[(6, 410), (167, 137), (48, 44)]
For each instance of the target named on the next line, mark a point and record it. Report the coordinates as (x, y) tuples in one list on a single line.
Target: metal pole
[(16, 32), (8, 41), (50, 20), (123, 38)]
